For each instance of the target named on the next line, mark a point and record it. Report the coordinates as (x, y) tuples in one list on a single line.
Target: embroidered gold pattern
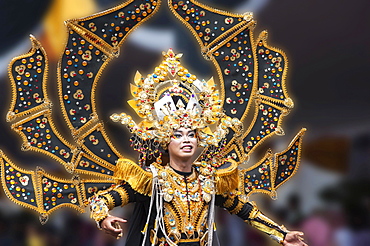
[(237, 208), (185, 209), (110, 201), (123, 195)]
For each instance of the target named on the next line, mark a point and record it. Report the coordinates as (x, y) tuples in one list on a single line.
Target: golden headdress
[(171, 98)]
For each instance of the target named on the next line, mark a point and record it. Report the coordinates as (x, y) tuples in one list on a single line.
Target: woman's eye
[(177, 135), (191, 135)]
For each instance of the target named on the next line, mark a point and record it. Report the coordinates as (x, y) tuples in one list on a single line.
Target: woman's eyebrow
[(181, 131)]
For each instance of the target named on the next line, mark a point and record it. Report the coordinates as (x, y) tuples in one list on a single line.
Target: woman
[(181, 150), (174, 202)]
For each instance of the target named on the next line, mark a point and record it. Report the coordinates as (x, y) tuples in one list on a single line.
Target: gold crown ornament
[(171, 98)]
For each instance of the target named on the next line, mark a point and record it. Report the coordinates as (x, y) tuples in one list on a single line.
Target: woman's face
[(183, 143)]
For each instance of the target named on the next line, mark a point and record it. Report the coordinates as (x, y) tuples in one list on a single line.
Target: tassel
[(227, 179), (139, 179), (145, 228)]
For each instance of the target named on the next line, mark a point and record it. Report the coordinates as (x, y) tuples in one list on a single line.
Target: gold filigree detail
[(123, 195), (185, 210), (237, 208)]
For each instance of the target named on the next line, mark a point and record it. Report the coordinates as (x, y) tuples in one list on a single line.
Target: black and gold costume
[(185, 206), (249, 84)]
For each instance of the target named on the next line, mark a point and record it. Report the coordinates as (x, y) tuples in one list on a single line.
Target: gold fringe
[(227, 179), (237, 208), (110, 201), (139, 179), (229, 202), (123, 195)]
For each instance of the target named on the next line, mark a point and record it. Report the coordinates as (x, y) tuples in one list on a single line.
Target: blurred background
[(328, 46)]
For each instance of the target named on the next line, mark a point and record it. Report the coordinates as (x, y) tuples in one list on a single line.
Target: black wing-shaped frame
[(92, 43), (252, 77), (43, 192), (31, 108), (272, 170)]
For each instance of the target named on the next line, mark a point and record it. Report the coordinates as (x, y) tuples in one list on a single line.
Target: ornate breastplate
[(186, 204)]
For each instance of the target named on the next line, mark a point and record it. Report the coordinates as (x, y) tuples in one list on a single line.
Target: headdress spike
[(137, 77)]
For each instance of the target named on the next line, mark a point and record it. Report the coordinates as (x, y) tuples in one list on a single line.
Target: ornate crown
[(171, 98)]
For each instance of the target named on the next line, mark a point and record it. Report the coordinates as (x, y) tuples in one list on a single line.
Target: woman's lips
[(187, 148)]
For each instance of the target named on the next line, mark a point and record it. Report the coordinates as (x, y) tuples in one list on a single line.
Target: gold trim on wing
[(245, 20), (93, 117), (79, 206), (46, 104), (266, 160), (27, 146), (37, 184), (286, 105), (224, 38), (5, 160), (278, 129), (92, 123), (104, 164), (100, 128), (239, 152), (263, 37), (93, 39), (112, 51), (299, 138)]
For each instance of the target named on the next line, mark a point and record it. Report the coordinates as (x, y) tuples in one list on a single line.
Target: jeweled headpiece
[(171, 98)]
